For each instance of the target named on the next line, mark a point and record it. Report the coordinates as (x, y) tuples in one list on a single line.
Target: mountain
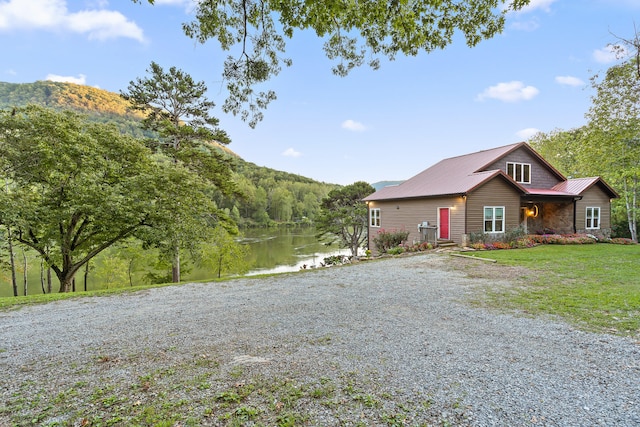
[(381, 184), (271, 195), (100, 105)]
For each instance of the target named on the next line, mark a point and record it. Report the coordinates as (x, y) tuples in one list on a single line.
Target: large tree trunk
[(24, 272), (86, 275), (630, 201), (44, 291), (14, 280), (175, 267)]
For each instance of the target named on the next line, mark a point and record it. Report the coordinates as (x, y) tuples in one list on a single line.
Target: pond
[(287, 249)]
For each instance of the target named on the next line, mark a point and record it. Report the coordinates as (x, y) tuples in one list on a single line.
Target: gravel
[(396, 340)]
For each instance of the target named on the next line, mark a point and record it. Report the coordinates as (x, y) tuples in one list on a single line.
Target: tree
[(75, 188), (176, 108), (223, 253), (354, 31), (615, 124), (344, 215)]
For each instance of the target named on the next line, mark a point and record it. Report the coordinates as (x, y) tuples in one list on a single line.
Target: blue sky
[(371, 126)]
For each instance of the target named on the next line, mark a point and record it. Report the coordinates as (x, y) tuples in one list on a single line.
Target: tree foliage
[(615, 122), (75, 188), (354, 32), (344, 216), (223, 254)]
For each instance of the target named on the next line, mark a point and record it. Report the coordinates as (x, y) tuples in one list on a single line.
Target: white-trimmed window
[(494, 219), (520, 172), (374, 217), (592, 218)]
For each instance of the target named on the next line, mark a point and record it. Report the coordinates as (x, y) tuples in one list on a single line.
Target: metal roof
[(455, 175), (462, 174)]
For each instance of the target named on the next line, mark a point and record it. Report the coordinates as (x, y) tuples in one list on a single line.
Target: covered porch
[(548, 214)]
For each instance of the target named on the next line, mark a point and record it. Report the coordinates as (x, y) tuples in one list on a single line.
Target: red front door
[(443, 219)]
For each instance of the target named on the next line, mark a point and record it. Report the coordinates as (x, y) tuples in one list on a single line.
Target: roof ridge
[(483, 151)]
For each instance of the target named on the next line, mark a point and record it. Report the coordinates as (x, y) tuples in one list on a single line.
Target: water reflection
[(286, 249)]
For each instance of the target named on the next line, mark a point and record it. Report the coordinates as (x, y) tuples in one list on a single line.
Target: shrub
[(395, 250), (563, 239), (509, 238), (334, 260), (386, 240)]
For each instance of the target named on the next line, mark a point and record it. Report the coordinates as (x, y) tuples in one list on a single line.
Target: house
[(491, 191)]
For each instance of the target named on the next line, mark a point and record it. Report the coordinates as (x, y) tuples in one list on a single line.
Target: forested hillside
[(269, 196)]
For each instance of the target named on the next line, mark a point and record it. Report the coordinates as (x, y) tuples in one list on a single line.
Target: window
[(374, 217), (494, 219), (520, 172), (593, 218)]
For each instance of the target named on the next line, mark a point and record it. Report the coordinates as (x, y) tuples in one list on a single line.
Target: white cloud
[(353, 126), (80, 80), (609, 54), (526, 134), (189, 5), (53, 15), (290, 152), (569, 81), (509, 92), (544, 5)]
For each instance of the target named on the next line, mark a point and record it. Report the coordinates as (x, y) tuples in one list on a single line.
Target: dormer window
[(520, 172)]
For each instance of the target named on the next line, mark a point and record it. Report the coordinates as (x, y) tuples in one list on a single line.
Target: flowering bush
[(548, 239), (621, 241), (563, 239)]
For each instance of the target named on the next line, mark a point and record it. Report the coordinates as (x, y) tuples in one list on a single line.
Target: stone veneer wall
[(558, 217)]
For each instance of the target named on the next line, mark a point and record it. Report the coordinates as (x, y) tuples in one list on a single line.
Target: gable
[(543, 175)]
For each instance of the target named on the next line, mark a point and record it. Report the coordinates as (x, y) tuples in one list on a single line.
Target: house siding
[(594, 197), (407, 214), (496, 192), (541, 177)]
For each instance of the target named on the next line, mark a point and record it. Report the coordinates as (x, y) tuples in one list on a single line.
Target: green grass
[(596, 287)]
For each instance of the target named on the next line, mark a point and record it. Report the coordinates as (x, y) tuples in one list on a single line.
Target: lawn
[(596, 287)]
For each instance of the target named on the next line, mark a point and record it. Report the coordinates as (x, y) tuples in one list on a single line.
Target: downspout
[(575, 212)]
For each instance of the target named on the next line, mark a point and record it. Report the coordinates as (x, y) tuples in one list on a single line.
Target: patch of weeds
[(228, 397), (63, 396), (367, 400), (394, 420), (110, 401), (205, 361), (290, 419), (324, 391), (241, 414), (291, 393), (204, 385)]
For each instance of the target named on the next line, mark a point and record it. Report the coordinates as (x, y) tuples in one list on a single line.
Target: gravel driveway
[(389, 342)]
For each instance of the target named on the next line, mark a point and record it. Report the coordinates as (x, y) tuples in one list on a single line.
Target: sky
[(373, 125)]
